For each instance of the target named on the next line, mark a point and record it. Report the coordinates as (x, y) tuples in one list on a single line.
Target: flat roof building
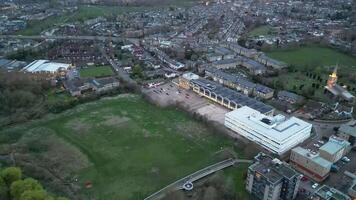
[(274, 133), (45, 66), (348, 132), (334, 149), (271, 179), (328, 193), (309, 163)]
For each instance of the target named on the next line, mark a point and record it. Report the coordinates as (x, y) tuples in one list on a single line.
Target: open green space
[(97, 71), (126, 147), (313, 57), (261, 30)]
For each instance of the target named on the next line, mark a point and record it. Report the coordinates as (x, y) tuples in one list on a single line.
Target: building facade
[(274, 133), (309, 163), (334, 149), (271, 179)]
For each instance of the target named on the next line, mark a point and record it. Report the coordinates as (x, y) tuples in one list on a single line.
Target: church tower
[(332, 78)]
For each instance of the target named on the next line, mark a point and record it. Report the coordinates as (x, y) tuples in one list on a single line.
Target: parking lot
[(170, 94)]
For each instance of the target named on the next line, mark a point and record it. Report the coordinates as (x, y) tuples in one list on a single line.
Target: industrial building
[(271, 179), (227, 97), (310, 164), (274, 133), (334, 149), (46, 66)]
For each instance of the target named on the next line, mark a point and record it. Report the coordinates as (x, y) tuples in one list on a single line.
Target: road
[(178, 185)]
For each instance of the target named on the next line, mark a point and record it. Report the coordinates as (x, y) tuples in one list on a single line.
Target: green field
[(128, 148), (96, 72), (314, 56), (261, 30), (315, 60)]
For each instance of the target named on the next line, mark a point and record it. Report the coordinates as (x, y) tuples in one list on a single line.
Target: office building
[(274, 133), (310, 164), (271, 179), (334, 149)]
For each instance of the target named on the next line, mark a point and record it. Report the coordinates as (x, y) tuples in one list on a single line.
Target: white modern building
[(45, 66), (275, 133)]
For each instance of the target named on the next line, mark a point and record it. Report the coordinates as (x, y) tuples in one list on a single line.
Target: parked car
[(315, 185), (321, 142), (316, 145), (345, 159)]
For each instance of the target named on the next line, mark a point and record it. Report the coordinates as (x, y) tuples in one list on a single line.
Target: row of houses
[(239, 83), (78, 86)]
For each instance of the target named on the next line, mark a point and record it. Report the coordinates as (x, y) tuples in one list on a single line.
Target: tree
[(35, 195), (137, 71), (19, 187), (11, 174), (3, 189)]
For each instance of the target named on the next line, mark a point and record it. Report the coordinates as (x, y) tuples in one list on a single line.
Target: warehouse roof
[(45, 66), (334, 145)]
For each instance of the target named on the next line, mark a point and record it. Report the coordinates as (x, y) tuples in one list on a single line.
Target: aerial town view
[(177, 99)]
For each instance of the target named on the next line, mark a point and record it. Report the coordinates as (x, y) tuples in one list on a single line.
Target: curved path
[(178, 185)]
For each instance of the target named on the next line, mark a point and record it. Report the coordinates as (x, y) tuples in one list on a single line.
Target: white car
[(316, 145), (321, 142), (345, 159), (315, 185)]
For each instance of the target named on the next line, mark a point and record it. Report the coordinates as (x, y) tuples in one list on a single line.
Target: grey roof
[(4, 62), (232, 78), (291, 95), (263, 89), (232, 95), (273, 171), (349, 128), (227, 61)]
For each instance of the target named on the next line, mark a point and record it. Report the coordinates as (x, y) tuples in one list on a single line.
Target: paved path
[(195, 176)]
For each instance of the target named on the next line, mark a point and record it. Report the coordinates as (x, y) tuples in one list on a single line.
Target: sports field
[(128, 148), (100, 71), (261, 30)]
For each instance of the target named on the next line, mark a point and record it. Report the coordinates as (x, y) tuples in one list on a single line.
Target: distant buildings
[(310, 163), (334, 149), (348, 132), (289, 97), (46, 66), (78, 87), (11, 65), (274, 133), (336, 90), (272, 179)]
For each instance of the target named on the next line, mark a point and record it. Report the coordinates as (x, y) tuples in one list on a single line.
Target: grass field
[(133, 147), (261, 30), (314, 56), (96, 72)]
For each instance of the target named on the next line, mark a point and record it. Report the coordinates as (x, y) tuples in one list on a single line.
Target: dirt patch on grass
[(79, 126), (113, 120)]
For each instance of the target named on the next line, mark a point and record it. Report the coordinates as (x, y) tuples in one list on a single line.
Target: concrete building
[(274, 133), (267, 61), (328, 193), (227, 97), (263, 91), (253, 67), (309, 163), (271, 179), (348, 132), (250, 53), (334, 149)]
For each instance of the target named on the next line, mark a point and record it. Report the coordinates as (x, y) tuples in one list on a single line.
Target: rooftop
[(278, 128), (315, 157), (45, 66), (328, 193), (232, 95), (349, 128), (334, 145), (273, 169)]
